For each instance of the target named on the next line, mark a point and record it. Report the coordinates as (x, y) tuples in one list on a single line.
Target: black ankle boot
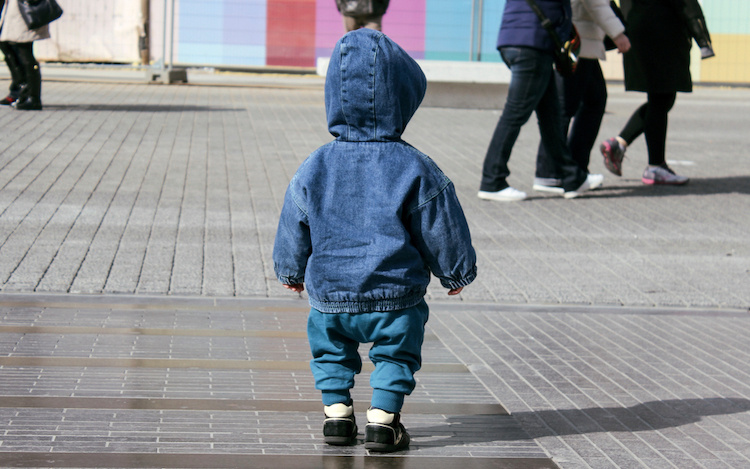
[(29, 103), (31, 93)]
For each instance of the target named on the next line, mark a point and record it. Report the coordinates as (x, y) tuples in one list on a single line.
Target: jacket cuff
[(289, 280), (452, 284)]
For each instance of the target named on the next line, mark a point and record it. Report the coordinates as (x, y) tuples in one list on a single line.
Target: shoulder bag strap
[(546, 24)]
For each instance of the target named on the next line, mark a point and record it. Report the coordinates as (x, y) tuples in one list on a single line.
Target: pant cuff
[(337, 397), (388, 401)]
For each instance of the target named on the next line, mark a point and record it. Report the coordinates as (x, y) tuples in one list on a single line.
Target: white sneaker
[(592, 182), (506, 195), (552, 185)]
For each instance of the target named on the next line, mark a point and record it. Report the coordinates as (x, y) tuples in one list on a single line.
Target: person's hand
[(622, 42), (297, 287), (455, 291)]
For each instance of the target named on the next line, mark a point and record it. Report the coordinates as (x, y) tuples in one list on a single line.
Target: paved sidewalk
[(140, 318), (153, 189)]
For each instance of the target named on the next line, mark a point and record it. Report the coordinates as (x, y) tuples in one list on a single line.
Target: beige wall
[(94, 31)]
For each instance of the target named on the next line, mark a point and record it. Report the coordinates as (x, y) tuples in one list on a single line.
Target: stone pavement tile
[(95, 408), (649, 361), (591, 389), (135, 189), (74, 430), (130, 188)]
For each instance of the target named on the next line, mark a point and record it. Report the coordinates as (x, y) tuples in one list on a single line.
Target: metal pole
[(164, 41), (171, 37), (480, 21), (471, 31)]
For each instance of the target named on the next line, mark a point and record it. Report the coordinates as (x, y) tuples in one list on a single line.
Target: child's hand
[(455, 291), (297, 287)]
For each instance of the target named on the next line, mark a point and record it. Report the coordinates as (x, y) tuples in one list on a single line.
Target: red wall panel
[(290, 33)]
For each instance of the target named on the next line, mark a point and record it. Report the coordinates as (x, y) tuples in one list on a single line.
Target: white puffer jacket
[(14, 29), (594, 19)]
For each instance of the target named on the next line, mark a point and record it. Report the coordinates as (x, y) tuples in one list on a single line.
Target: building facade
[(296, 33)]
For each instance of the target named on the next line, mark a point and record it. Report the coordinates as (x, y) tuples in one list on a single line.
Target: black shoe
[(28, 104), (7, 101), (340, 429), (385, 437)]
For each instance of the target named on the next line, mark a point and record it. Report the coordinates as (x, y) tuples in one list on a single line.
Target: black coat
[(659, 59)]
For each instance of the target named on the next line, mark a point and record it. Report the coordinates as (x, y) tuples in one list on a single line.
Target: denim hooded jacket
[(367, 217)]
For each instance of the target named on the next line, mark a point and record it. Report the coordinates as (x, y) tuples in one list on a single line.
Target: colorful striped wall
[(729, 23), (295, 33)]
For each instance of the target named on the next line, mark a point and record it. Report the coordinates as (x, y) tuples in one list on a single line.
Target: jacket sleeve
[(602, 15), (439, 230), (292, 246)]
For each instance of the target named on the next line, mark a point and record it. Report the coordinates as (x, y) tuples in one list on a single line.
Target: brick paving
[(139, 316)]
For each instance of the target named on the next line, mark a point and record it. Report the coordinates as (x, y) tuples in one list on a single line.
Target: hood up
[(373, 88)]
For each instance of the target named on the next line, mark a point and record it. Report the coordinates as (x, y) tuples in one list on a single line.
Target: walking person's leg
[(574, 179), (635, 125), (31, 95), (655, 131), (575, 94), (531, 72), (655, 126), (17, 75), (548, 175), (613, 149), (589, 113)]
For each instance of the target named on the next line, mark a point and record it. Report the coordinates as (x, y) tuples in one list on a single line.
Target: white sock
[(380, 416), (338, 410)]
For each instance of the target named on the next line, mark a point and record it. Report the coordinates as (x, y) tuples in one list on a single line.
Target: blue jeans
[(583, 98), (396, 352), (532, 88)]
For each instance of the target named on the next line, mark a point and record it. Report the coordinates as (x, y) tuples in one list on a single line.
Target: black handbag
[(37, 13), (566, 54)]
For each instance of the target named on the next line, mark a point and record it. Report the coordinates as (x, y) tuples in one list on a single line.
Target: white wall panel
[(94, 31)]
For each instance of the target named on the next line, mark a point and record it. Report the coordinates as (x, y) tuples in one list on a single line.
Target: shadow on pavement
[(134, 108), (649, 416), (696, 186)]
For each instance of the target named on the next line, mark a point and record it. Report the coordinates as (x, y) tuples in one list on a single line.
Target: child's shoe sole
[(383, 438), (340, 431)]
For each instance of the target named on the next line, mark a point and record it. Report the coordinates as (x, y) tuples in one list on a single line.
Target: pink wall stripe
[(404, 23)]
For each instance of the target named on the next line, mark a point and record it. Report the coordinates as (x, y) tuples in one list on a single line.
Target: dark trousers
[(23, 67), (583, 98), (532, 89), (651, 119)]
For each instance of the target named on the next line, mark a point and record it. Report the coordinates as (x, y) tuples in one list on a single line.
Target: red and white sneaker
[(662, 175), (613, 154), (7, 101)]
